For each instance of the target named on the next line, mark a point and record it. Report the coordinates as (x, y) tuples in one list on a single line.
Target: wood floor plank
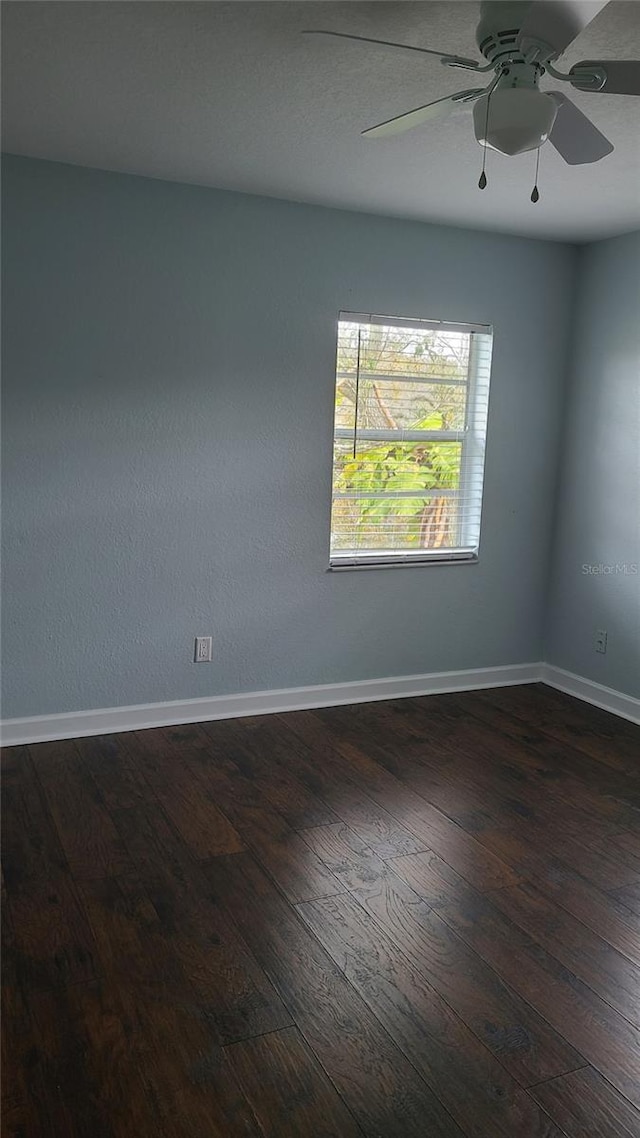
[(605, 737), (522, 1041), (279, 849), (376, 826), (530, 849), (326, 745), (49, 1055), (214, 984), (125, 926), (570, 770), (18, 1110), (90, 840), (460, 794), (109, 761), (184, 938), (470, 1083), (187, 930), (629, 896), (432, 828), (431, 878), (600, 912), (368, 819), (189, 804), (477, 864), (187, 990), (589, 957), (359, 726), (607, 1040), (376, 1081), (583, 1103), (113, 1062), (52, 941), (491, 783), (287, 1088), (435, 881), (262, 754), (628, 841)]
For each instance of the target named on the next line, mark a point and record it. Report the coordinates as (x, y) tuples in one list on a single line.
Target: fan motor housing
[(499, 27)]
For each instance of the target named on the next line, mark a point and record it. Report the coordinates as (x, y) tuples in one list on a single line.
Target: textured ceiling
[(231, 95)]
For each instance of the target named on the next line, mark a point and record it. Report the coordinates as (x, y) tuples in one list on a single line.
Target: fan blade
[(622, 76), (423, 114), (471, 63), (574, 136), (557, 22)]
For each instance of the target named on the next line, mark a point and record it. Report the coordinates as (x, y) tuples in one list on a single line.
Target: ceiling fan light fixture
[(518, 119)]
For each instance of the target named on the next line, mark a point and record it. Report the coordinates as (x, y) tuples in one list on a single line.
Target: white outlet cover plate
[(202, 651)]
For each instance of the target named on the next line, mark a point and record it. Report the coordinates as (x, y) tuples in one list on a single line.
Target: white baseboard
[(105, 721), (609, 700)]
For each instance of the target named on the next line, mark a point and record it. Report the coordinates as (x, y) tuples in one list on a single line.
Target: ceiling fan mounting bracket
[(467, 96), (582, 78), (466, 64)]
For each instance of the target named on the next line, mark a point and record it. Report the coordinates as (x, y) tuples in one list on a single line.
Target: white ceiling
[(231, 95)]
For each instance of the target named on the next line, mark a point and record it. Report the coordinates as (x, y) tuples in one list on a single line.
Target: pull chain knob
[(535, 195)]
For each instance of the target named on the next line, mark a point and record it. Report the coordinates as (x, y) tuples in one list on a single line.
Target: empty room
[(321, 569)]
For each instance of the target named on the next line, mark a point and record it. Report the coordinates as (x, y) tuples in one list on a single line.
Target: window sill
[(470, 558)]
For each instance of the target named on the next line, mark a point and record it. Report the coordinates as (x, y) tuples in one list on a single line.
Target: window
[(409, 439)]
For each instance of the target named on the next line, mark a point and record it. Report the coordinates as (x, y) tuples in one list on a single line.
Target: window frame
[(472, 443)]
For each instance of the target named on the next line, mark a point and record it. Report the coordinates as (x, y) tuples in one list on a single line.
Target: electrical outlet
[(601, 640), (202, 653)]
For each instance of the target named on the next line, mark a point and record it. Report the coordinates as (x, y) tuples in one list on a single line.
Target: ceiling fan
[(521, 41)]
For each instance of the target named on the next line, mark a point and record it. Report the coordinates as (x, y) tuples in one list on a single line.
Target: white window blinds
[(409, 440)]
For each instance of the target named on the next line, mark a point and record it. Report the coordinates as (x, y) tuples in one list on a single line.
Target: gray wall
[(168, 373), (595, 579)]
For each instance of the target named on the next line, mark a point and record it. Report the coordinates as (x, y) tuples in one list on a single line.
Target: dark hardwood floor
[(412, 919)]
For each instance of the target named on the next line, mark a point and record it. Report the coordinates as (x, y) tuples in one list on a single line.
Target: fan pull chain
[(535, 195), (483, 177)]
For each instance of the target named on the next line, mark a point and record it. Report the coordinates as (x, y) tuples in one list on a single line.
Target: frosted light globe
[(520, 118)]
